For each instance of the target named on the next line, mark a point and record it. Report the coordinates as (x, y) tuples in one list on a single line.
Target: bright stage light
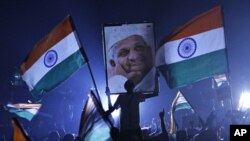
[(244, 102)]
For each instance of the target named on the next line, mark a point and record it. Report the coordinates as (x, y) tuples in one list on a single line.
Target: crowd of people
[(214, 128), (132, 60)]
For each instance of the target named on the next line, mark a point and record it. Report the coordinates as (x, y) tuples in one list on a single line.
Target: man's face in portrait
[(132, 57)]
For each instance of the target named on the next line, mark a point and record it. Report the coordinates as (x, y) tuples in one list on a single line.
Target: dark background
[(24, 22)]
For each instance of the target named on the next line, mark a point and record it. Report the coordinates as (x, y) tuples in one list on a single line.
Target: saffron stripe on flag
[(19, 134), (26, 105), (206, 21)]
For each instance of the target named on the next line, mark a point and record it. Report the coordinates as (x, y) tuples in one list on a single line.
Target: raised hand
[(162, 114)]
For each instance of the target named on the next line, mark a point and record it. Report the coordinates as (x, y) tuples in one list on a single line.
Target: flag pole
[(92, 76), (173, 124), (229, 78), (106, 70), (85, 57), (101, 110)]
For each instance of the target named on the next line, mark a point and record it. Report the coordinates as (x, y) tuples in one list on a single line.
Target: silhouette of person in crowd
[(130, 112)]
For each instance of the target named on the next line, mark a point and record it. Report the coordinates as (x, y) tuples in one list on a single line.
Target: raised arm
[(163, 126)]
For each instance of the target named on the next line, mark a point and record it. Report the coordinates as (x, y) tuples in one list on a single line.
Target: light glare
[(244, 102), (116, 113)]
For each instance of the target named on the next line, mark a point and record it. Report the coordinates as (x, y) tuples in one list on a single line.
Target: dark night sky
[(23, 23)]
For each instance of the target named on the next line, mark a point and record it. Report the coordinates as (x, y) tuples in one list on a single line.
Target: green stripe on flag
[(22, 113), (181, 106), (195, 69), (25, 114), (58, 74)]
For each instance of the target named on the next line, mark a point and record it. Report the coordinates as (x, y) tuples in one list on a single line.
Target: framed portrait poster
[(129, 51)]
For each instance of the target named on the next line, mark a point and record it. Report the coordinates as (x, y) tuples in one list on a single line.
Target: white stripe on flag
[(11, 105), (207, 42), (64, 49), (181, 100), (32, 111)]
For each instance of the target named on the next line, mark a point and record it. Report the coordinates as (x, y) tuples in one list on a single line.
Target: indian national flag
[(53, 59), (93, 125), (179, 103), (219, 80), (195, 51), (24, 110)]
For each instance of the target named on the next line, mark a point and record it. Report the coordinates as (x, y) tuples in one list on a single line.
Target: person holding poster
[(129, 102)]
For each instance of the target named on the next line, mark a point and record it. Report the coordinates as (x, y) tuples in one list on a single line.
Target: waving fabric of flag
[(195, 51), (53, 59), (24, 110), (179, 103), (220, 80), (93, 126)]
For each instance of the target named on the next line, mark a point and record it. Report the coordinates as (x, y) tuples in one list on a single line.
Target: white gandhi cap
[(114, 34)]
